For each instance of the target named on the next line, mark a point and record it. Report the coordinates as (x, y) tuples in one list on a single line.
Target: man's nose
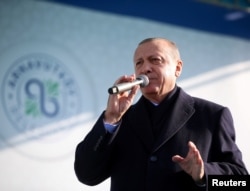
[(146, 68)]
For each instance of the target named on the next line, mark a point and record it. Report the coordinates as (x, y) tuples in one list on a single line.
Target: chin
[(149, 90)]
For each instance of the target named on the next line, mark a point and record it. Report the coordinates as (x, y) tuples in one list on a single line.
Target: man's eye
[(156, 60), (138, 63)]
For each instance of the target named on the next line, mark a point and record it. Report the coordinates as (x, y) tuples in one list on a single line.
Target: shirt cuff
[(111, 127)]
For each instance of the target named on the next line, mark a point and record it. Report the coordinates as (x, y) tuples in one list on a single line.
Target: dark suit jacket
[(136, 161)]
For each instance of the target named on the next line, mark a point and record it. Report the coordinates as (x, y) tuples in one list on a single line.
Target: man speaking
[(167, 141)]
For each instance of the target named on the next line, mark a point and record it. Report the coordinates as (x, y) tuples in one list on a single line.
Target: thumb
[(177, 158)]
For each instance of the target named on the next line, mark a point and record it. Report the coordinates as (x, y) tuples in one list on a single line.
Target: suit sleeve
[(93, 155), (225, 155)]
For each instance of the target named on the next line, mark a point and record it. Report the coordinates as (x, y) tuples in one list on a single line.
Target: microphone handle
[(122, 87)]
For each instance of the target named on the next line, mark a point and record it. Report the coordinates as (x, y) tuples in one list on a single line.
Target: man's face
[(157, 60)]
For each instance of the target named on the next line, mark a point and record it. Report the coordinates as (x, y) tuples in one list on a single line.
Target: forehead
[(155, 47)]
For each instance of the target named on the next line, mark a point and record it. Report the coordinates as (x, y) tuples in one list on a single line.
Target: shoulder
[(201, 103)]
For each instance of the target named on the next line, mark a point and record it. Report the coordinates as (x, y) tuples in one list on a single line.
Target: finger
[(198, 157), (196, 152), (124, 78), (133, 91), (192, 146), (177, 158)]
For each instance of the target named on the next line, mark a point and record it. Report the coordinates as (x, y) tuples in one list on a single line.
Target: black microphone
[(141, 80)]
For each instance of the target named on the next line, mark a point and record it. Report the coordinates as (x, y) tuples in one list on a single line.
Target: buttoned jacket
[(135, 160)]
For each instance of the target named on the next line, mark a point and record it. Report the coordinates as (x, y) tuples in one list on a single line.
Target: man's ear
[(178, 68)]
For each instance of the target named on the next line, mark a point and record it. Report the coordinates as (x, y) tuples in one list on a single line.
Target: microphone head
[(145, 80)]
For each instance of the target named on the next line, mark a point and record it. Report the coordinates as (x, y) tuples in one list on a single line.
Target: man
[(168, 140)]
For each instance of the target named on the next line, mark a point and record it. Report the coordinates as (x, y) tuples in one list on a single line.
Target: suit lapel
[(182, 111)]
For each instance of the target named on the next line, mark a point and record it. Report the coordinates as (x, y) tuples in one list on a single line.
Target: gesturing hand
[(192, 164)]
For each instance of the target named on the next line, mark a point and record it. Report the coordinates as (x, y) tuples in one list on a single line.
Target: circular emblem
[(47, 101), (37, 91)]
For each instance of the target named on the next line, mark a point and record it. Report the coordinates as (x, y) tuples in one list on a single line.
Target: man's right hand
[(119, 103)]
